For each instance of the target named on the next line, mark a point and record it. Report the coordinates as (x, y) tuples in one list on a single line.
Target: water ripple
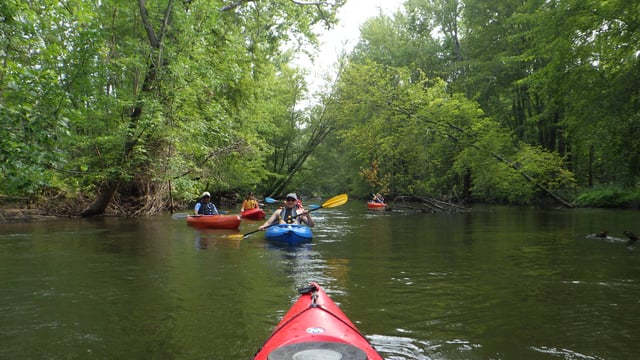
[(565, 353)]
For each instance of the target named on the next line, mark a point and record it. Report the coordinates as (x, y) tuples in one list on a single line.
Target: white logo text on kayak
[(315, 330)]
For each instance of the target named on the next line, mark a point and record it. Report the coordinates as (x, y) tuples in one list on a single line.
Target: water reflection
[(206, 238), (300, 263)]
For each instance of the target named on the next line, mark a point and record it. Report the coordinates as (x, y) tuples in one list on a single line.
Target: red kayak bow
[(316, 328)]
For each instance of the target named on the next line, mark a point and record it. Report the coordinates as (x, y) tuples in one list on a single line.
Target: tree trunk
[(316, 138), (103, 199)]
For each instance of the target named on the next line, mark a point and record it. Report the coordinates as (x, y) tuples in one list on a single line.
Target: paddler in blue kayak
[(289, 214)]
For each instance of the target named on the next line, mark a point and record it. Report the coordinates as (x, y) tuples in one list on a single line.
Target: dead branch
[(427, 205)]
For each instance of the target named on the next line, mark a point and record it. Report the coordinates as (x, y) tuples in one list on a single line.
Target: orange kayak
[(376, 206), (316, 328), (214, 221)]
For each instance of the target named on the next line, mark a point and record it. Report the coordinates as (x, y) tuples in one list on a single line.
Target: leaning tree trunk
[(103, 199), (320, 133)]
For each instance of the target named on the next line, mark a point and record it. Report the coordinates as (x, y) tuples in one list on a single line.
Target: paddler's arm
[(273, 218), (307, 219)]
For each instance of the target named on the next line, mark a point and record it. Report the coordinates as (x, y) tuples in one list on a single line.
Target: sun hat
[(206, 193), (292, 195)]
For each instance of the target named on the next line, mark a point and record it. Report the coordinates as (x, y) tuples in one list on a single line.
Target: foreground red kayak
[(214, 221), (316, 328)]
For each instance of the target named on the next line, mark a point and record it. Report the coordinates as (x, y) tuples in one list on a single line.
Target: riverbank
[(13, 215)]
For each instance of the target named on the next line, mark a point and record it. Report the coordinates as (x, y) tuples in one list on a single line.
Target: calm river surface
[(498, 283)]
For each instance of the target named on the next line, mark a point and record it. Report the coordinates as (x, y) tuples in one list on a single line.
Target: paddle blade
[(243, 236), (336, 201), (180, 216), (235, 236), (269, 200)]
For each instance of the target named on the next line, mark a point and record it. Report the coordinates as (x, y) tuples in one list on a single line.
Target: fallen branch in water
[(427, 205)]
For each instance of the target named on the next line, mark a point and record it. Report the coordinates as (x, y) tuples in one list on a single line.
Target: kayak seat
[(318, 350)]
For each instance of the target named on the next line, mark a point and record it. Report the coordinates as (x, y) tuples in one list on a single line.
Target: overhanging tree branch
[(496, 156)]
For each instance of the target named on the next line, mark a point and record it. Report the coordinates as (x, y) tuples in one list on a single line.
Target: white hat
[(206, 193), (292, 195)]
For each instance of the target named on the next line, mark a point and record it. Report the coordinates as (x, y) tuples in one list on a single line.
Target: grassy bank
[(610, 197)]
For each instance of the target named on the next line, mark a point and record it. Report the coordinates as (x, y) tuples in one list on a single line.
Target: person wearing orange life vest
[(289, 214), (249, 203)]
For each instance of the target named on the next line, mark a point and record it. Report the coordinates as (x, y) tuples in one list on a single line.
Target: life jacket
[(250, 204), (288, 215), (208, 209)]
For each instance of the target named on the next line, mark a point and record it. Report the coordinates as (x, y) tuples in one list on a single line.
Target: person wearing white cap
[(289, 214), (205, 206)]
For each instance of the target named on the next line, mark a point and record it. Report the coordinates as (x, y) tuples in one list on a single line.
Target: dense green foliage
[(125, 98), (510, 101), (502, 101)]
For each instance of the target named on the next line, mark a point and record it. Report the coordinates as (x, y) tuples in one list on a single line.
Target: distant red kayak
[(376, 206), (316, 328), (214, 221), (253, 214)]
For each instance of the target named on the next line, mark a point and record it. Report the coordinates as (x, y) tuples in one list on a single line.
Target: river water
[(497, 283)]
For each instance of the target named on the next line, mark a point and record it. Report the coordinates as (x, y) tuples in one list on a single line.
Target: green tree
[(137, 100)]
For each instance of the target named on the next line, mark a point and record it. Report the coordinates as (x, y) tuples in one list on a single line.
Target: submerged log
[(426, 205)]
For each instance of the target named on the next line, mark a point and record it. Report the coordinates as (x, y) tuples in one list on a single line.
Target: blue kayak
[(291, 234)]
